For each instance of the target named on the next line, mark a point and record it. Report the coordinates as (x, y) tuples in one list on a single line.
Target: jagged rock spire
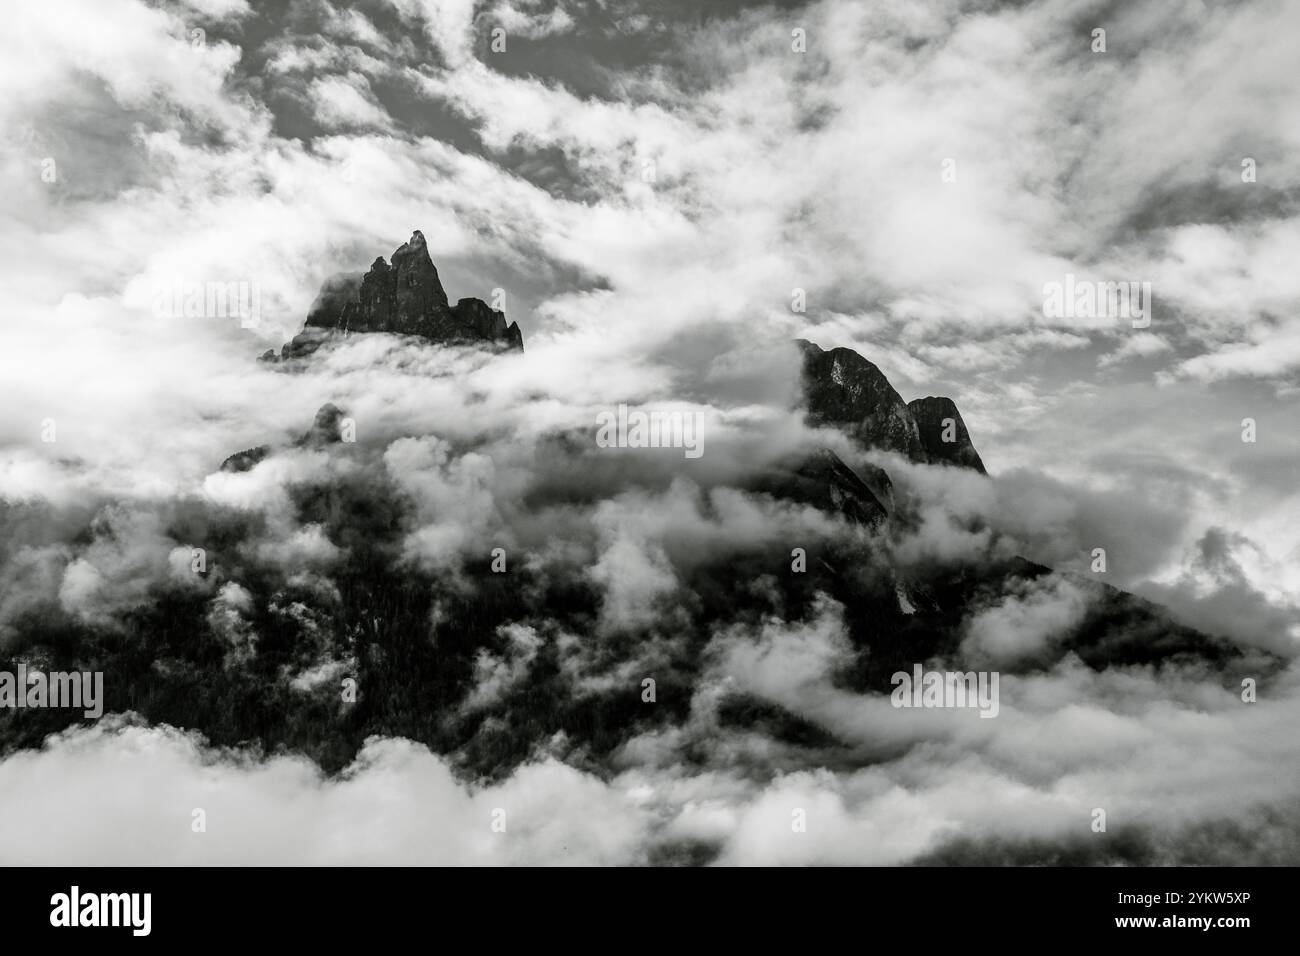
[(403, 297)]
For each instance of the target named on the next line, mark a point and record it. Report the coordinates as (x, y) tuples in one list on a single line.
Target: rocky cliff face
[(844, 390), (824, 481), (944, 434), (404, 297)]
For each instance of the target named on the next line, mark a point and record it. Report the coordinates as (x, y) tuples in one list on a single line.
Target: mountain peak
[(326, 428), (845, 390), (413, 255), (403, 296), (943, 432)]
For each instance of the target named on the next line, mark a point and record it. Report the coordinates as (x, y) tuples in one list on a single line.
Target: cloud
[(1162, 755), (1142, 345), (527, 18), (448, 24), (148, 781), (1025, 622), (494, 674), (346, 103), (1214, 593), (220, 9)]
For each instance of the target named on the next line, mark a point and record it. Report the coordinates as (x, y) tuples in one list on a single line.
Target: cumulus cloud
[(1214, 593), (1163, 755), (346, 103), (149, 781), (1025, 622), (495, 673)]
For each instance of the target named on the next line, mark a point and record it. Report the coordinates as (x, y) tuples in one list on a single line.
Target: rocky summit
[(846, 391), (401, 297), (944, 434)]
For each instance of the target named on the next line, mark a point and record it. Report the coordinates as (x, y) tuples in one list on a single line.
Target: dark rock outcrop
[(405, 297), (944, 434), (824, 481), (482, 322), (326, 429), (844, 390), (245, 460)]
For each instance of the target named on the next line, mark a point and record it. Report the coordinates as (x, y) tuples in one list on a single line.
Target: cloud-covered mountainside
[(356, 641)]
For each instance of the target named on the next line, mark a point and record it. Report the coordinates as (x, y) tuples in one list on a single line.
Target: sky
[(649, 184)]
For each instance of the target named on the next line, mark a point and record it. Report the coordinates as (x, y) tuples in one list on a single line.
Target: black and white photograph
[(650, 434)]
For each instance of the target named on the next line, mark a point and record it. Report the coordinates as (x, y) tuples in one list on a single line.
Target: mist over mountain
[(503, 600)]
